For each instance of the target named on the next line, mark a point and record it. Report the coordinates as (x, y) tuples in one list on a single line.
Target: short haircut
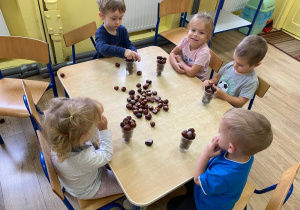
[(206, 19), (66, 121), (253, 48), (111, 6), (249, 131)]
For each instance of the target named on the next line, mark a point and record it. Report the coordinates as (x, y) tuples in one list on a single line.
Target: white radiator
[(140, 14)]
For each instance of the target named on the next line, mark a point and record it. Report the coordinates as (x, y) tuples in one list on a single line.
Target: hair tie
[(71, 116)]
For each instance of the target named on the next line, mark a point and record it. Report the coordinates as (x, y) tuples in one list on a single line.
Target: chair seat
[(246, 195), (11, 92), (93, 204), (175, 35)]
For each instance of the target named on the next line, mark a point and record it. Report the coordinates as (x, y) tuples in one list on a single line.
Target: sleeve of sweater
[(103, 155), (104, 47)]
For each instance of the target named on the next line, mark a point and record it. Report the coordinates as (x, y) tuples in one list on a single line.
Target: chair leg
[(211, 74), (1, 140), (67, 203)]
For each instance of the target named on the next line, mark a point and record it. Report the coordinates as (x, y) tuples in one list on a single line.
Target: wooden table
[(148, 173)]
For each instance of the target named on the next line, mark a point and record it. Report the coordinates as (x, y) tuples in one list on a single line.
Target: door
[(292, 21)]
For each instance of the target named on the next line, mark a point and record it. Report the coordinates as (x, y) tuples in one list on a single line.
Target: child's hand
[(178, 67), (212, 149), (129, 54), (102, 124), (219, 92), (207, 82), (137, 57), (178, 58)]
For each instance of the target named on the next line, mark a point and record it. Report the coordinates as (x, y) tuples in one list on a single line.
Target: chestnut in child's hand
[(62, 75), (117, 64)]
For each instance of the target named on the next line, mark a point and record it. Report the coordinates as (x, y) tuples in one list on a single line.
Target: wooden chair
[(281, 194), (216, 63), (79, 34), (49, 170), (32, 108), (263, 87), (11, 90), (169, 7)]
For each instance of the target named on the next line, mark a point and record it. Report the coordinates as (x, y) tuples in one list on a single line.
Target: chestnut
[(149, 81), (138, 85), (139, 73), (152, 124), (117, 64), (129, 106), (135, 111), (138, 115), (148, 116), (145, 86), (131, 92), (132, 124), (127, 128), (62, 75), (166, 108), (191, 129), (149, 142), (154, 111), (154, 92), (166, 101), (116, 87), (123, 89)]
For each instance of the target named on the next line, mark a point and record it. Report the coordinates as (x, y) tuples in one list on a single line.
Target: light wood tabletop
[(147, 173)]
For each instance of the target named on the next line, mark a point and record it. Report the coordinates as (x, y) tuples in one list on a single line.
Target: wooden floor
[(24, 186)]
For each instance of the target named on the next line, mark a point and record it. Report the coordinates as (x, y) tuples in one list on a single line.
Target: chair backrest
[(47, 165), (79, 34), (263, 87), (169, 7), (215, 62), (31, 104), (283, 187), (14, 47)]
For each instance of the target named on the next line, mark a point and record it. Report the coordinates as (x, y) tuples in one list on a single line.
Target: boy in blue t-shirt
[(223, 167), (112, 39)]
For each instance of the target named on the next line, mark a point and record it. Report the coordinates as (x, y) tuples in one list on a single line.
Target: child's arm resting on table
[(234, 101), (211, 150), (176, 51)]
